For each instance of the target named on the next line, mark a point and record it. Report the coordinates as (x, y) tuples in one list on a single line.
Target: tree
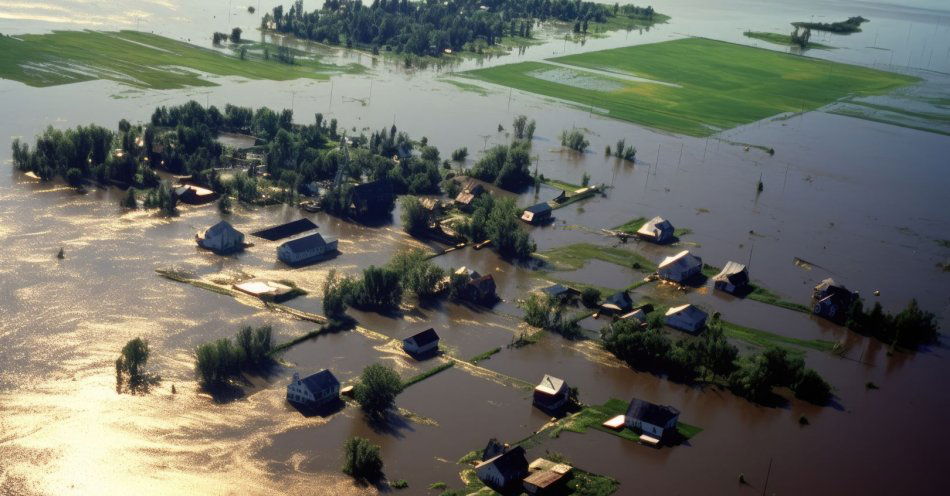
[(813, 388), (415, 219), (236, 35), (575, 140), (751, 378), (224, 204), (129, 201), (460, 155), (417, 273), (377, 389), (130, 366), (334, 297), (590, 297), (361, 459), (379, 289)]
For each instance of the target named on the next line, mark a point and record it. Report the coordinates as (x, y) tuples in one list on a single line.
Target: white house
[(222, 238), (687, 318), (316, 389), (680, 267), (653, 420), (421, 343), (506, 470), (657, 230), (306, 249), (551, 393)]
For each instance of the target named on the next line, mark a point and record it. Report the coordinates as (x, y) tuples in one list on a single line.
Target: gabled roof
[(652, 414), (320, 381), (425, 337), (558, 290), (484, 283), (493, 449), (620, 299), (305, 243), (657, 223), (465, 271), (286, 230), (688, 311), (734, 273), (510, 464), (550, 385), (220, 229), (684, 259), (539, 208)]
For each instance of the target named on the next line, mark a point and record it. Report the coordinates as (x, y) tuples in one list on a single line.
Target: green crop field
[(696, 86), (137, 59)]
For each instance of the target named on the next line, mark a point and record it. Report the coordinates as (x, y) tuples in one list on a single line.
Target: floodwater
[(862, 201)]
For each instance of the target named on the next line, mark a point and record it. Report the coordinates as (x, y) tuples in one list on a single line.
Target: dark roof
[(734, 272), (373, 196), (493, 449), (321, 381), (539, 208), (621, 299), (286, 230), (425, 337), (558, 290), (305, 243), (512, 464), (484, 283), (650, 413)]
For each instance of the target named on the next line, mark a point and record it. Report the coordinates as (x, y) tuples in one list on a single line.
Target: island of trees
[(851, 25), (432, 28)]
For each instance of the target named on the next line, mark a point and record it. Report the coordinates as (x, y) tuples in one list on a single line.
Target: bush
[(505, 166), (813, 388), (379, 289), (224, 204), (334, 298), (130, 366), (377, 389), (399, 484), (548, 314), (361, 459), (460, 155), (575, 140), (129, 201), (590, 297), (417, 273), (217, 362), (415, 219)]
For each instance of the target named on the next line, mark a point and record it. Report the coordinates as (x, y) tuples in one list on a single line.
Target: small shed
[(195, 195), (733, 278), (657, 230), (654, 420), (222, 238), (471, 190), (688, 318), (680, 267), (617, 304), (832, 300), (551, 393), (482, 289), (316, 389), (307, 249), (560, 292), (504, 471), (421, 343), (537, 214)]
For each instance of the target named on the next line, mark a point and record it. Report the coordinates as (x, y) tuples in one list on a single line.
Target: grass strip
[(427, 374), (575, 256), (561, 185), (483, 356), (631, 226), (763, 295), (593, 417), (765, 339), (781, 39)]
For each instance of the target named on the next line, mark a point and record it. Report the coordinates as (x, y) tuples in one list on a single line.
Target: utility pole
[(767, 474)]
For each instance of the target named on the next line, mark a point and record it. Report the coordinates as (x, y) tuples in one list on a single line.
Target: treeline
[(547, 312), (910, 328), (851, 25), (710, 357), (216, 363), (430, 28)]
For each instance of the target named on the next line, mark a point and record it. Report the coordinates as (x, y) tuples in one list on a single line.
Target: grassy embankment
[(137, 59), (710, 85), (427, 374), (765, 339), (574, 257), (593, 416), (781, 39)]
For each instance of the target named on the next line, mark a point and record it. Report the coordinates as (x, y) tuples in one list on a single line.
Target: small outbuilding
[(560, 292), (195, 195), (422, 343), (537, 214), (733, 278), (481, 290), (317, 389), (687, 318), (657, 230), (832, 300), (637, 315), (287, 230), (222, 238), (654, 420), (680, 267), (618, 303), (307, 249), (546, 477), (471, 190), (504, 471), (551, 393)]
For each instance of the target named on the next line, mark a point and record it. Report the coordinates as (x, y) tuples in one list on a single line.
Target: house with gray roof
[(657, 230), (317, 389), (654, 420), (421, 343), (307, 249), (680, 267), (733, 278), (504, 472)]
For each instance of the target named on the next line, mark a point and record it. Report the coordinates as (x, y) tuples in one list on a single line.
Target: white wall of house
[(299, 393), (223, 240), (410, 346), (285, 254)]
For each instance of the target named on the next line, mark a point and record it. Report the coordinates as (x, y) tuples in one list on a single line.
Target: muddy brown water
[(861, 201)]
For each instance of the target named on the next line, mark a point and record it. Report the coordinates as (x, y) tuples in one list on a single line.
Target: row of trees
[(910, 328), (216, 363), (622, 151), (429, 28), (712, 358)]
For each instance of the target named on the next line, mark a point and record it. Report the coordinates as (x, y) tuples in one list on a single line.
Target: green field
[(697, 86), (781, 39), (137, 59)]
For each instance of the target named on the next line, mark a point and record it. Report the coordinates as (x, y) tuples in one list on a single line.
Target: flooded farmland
[(862, 201)]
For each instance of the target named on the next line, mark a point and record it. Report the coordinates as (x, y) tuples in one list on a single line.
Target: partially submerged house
[(733, 278), (688, 318), (372, 199), (287, 230), (657, 230), (195, 195), (657, 421), (481, 290), (317, 389), (546, 477), (421, 343), (265, 290), (537, 214), (680, 267), (504, 471), (432, 207), (222, 238), (551, 393), (832, 300), (560, 292), (638, 315), (617, 304), (471, 190), (307, 249)]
